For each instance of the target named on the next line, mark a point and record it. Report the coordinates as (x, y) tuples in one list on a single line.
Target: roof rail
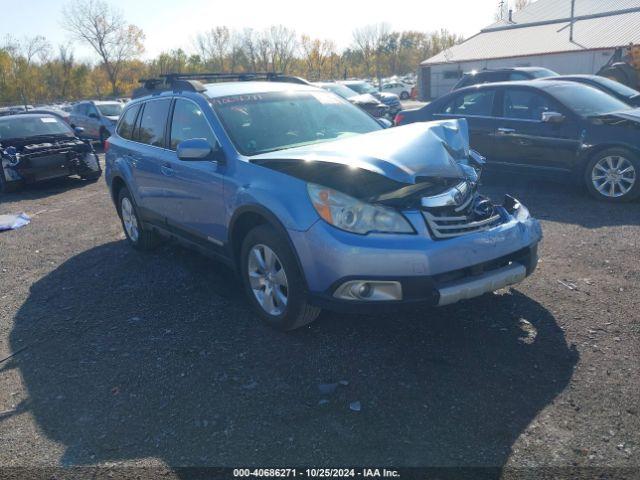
[(192, 81)]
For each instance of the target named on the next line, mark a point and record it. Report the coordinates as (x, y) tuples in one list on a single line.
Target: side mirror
[(194, 149), (93, 115), (78, 131), (552, 117), (385, 122)]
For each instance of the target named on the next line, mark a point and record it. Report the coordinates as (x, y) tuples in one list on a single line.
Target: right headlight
[(350, 214)]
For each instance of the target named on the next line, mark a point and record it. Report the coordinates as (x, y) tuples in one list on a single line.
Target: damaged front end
[(426, 167), (31, 160)]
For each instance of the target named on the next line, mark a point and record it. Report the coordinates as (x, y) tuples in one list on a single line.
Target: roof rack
[(192, 81)]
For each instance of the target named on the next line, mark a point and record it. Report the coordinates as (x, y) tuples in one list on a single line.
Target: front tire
[(137, 237), (8, 187), (272, 280), (103, 137), (613, 175)]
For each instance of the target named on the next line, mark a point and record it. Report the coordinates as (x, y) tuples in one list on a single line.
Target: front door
[(197, 206), (524, 140)]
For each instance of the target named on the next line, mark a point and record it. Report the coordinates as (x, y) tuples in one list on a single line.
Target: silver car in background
[(98, 118)]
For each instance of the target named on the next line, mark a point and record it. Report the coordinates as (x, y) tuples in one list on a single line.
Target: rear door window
[(153, 122), (125, 128), (475, 103)]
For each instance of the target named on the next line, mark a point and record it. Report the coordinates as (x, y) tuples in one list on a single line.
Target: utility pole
[(573, 11), (501, 5)]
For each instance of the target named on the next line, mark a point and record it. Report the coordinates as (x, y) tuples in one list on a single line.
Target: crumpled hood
[(406, 154)]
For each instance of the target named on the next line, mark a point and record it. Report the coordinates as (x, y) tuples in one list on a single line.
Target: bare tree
[(37, 46), (66, 59), (214, 46), (369, 43), (283, 45), (106, 31), (317, 55)]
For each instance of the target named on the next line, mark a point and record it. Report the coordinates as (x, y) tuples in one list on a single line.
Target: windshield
[(110, 109), (617, 87), (23, 127), (543, 73), (263, 122), (342, 90), (584, 100), (362, 87)]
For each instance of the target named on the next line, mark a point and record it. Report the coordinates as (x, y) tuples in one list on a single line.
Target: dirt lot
[(123, 358)]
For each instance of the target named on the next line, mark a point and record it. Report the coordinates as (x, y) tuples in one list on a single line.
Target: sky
[(170, 24)]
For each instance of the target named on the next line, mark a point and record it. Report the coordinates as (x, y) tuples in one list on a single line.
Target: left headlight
[(350, 214)]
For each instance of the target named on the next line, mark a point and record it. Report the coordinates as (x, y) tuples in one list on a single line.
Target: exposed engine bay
[(33, 159)]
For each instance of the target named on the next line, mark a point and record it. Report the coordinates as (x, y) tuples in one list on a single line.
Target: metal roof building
[(544, 34)]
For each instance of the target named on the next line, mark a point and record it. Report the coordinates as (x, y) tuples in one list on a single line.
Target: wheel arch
[(117, 184), (248, 217), (588, 154)]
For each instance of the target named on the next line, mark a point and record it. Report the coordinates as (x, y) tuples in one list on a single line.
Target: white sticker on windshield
[(48, 120)]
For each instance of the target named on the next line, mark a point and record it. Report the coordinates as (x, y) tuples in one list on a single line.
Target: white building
[(544, 34)]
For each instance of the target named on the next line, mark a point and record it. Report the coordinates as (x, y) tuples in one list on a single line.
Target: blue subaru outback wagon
[(312, 201)]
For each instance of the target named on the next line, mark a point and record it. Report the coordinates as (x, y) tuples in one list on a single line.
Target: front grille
[(442, 225)]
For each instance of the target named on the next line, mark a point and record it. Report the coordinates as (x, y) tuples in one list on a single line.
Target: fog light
[(362, 290), (369, 290)]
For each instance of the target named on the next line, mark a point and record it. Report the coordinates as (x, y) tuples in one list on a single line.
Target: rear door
[(147, 160), (523, 139), (478, 107)]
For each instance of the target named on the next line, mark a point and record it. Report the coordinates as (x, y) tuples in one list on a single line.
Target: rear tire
[(137, 237), (404, 95), (614, 166), (273, 282)]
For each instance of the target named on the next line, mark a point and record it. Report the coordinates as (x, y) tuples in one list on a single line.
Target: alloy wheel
[(129, 219), (613, 176), (268, 279)]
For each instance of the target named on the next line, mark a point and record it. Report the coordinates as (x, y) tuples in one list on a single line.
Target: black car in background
[(366, 102), (559, 129), (626, 94), (508, 74), (56, 112), (36, 147)]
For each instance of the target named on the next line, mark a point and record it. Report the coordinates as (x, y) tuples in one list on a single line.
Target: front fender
[(285, 197)]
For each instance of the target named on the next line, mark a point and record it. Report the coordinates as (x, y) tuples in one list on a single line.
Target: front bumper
[(430, 272), (46, 166)]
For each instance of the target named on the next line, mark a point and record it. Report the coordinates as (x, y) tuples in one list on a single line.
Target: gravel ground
[(130, 359)]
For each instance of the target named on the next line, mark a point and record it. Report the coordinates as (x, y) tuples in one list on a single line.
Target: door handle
[(167, 170), (506, 131)]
